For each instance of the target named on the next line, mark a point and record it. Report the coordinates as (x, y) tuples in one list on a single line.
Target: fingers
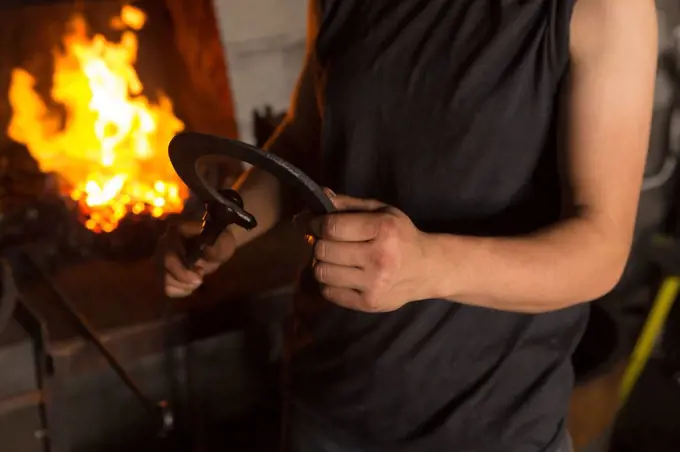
[(189, 229), (173, 291), (180, 281), (173, 248), (221, 250), (342, 202), (340, 276), (347, 227), (358, 219), (176, 269), (347, 298), (352, 254), (330, 193), (216, 255)]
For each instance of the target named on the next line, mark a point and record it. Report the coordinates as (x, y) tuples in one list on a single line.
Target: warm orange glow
[(111, 145)]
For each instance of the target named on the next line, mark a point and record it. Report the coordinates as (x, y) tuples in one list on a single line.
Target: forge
[(95, 131), (90, 95), (94, 95)]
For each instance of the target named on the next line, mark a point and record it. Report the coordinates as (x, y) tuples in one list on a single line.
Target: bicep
[(610, 101)]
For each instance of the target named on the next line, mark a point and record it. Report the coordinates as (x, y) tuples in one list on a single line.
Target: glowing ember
[(111, 143)]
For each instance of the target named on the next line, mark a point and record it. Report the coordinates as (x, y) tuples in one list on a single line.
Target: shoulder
[(602, 28)]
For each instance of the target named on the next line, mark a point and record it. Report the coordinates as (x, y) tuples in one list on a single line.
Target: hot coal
[(34, 210)]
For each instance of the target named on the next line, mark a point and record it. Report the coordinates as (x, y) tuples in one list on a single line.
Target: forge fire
[(99, 131)]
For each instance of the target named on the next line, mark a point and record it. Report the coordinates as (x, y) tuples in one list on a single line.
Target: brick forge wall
[(198, 41)]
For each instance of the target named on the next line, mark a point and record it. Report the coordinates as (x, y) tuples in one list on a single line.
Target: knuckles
[(383, 225), (329, 226), (385, 251), (388, 226), (222, 250), (370, 302), (327, 292), (381, 258), (319, 272), (319, 250)]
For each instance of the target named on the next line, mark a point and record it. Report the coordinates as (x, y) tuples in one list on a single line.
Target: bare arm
[(614, 52), (371, 257), (296, 139)]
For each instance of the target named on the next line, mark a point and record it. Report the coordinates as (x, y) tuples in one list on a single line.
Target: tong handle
[(194, 246), (216, 219)]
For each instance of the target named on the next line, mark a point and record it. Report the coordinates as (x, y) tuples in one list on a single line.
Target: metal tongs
[(225, 207), (218, 216)]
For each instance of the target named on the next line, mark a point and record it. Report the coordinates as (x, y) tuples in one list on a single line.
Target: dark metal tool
[(225, 207), (159, 411), (187, 149), (8, 294), (216, 218)]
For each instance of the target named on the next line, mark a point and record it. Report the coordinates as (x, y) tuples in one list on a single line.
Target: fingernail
[(199, 268), (330, 193)]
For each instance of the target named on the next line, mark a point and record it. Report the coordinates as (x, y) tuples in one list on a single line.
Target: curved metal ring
[(187, 148)]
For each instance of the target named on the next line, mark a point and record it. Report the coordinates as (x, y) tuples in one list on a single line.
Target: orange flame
[(111, 144)]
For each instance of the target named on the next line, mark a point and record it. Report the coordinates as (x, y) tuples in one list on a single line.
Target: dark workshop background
[(229, 67)]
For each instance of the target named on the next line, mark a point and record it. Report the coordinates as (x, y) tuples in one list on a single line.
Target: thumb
[(347, 203), (189, 229)]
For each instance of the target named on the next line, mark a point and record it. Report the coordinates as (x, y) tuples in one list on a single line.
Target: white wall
[(265, 45)]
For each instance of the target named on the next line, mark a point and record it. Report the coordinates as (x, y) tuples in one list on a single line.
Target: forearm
[(296, 140), (570, 263), (608, 113), (261, 192)]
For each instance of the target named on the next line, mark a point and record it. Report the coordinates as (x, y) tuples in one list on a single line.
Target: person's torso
[(447, 110)]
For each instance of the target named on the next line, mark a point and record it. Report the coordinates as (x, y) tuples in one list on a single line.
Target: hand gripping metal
[(225, 207)]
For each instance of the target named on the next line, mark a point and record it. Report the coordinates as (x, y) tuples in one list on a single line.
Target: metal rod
[(24, 400), (154, 410), (90, 334)]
